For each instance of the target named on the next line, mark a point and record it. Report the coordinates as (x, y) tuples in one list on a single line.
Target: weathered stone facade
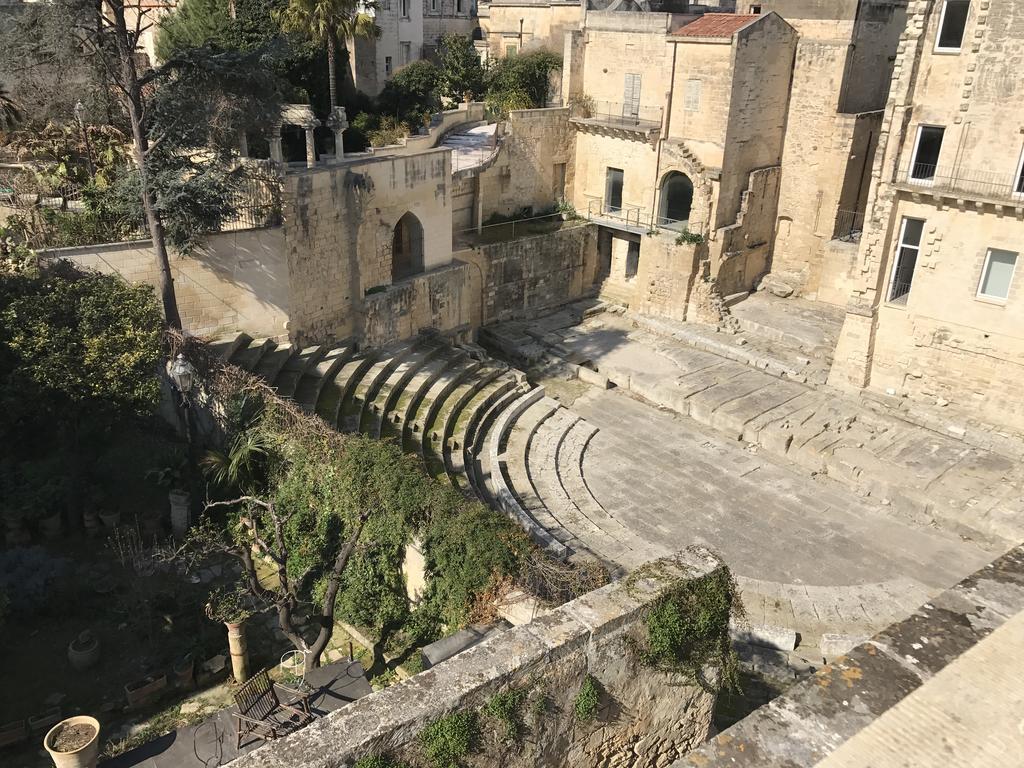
[(918, 323), (645, 718)]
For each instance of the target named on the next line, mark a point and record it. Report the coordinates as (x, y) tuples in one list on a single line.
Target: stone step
[(366, 391), (449, 401), (351, 376), (298, 365), (478, 432), (399, 380), (464, 423), (226, 346), (430, 380), (308, 389), (247, 358), (272, 363)]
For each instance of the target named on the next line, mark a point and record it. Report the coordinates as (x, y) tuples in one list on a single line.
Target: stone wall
[(339, 228), (234, 281), (645, 718), (537, 143), (544, 24), (519, 278)]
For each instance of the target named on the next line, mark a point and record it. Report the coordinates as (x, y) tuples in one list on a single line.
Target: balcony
[(848, 227), (635, 218), (624, 120), (962, 183)]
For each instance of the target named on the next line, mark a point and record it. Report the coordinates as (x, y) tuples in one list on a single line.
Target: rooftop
[(717, 25)]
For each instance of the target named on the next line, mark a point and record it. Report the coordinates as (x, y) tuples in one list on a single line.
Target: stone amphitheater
[(656, 445)]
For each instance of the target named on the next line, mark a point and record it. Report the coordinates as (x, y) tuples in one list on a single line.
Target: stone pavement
[(809, 554), (970, 715), (921, 473)]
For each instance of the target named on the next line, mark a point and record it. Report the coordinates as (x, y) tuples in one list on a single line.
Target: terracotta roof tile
[(716, 25)]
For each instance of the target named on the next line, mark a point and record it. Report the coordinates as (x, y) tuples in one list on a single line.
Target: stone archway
[(676, 201), (406, 248)]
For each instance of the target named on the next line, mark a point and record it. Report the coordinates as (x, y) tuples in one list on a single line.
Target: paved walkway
[(810, 555), (921, 473), (970, 715)]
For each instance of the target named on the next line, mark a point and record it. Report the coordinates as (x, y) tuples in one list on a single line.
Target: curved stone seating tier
[(399, 380), (476, 423), (307, 392), (297, 366), (426, 385)]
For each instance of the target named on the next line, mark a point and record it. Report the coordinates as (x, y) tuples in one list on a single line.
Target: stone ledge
[(568, 638), (812, 719)]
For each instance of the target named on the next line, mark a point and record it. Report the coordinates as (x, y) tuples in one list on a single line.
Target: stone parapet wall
[(645, 718), (234, 281)]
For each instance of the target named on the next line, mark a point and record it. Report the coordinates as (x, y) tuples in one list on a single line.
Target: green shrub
[(687, 629), (449, 739), (506, 708), (379, 761), (686, 237), (587, 700)]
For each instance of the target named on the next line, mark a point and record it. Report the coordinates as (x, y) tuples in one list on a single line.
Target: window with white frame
[(906, 260), (997, 274), (1018, 183), (952, 25), (927, 148), (691, 96)]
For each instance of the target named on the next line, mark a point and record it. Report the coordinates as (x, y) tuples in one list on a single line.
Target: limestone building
[(679, 129), (447, 17), (372, 62), (510, 26), (936, 311)]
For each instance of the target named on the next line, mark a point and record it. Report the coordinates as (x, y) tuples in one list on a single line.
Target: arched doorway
[(676, 201), (406, 248)]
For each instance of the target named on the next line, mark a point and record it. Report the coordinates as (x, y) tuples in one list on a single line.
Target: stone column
[(276, 154), (239, 650), (243, 144), (310, 148)]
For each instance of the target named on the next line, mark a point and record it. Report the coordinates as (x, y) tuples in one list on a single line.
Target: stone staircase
[(474, 421)]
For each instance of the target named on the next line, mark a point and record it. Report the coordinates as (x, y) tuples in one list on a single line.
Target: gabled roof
[(717, 25)]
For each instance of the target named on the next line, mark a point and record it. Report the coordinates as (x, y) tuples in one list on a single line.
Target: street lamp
[(184, 376)]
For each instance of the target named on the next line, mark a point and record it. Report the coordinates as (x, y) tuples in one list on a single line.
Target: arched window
[(406, 248), (676, 201)]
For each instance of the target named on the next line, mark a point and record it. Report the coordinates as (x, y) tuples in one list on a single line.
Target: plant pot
[(149, 526), (238, 648), (110, 520), (86, 755), (84, 651), (180, 512), (184, 672), (13, 733), (91, 522), (145, 690), (50, 526)]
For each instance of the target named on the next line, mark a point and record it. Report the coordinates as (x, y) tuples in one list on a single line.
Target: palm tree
[(326, 21), (10, 113)]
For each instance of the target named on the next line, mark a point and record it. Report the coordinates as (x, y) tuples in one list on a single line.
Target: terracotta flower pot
[(84, 756)]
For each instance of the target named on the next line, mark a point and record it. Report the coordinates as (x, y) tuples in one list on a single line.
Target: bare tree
[(265, 534)]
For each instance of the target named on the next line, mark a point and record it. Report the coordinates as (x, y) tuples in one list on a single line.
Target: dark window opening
[(676, 201), (953, 25), (406, 248), (613, 190), (906, 260), (926, 156), (632, 259)]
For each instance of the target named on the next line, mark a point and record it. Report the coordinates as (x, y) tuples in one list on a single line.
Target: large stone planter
[(143, 691), (239, 650), (84, 651), (180, 512), (83, 757)]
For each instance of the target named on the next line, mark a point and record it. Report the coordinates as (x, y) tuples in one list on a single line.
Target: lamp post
[(80, 119), (184, 377)]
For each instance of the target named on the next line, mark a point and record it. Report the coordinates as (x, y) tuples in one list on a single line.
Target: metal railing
[(619, 115), (849, 226), (624, 213), (1001, 185), (899, 293), (511, 229)]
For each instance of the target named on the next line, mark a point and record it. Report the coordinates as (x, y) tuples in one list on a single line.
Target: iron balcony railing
[(999, 185), (637, 217), (618, 115), (899, 293), (849, 226)]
